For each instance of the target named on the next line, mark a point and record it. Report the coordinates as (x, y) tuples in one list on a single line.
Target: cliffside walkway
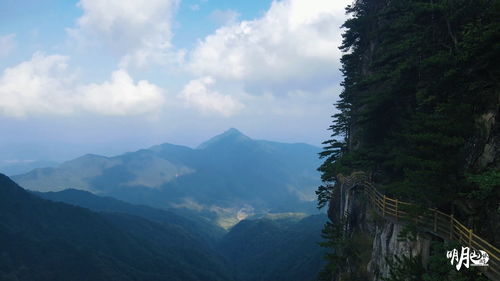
[(431, 220)]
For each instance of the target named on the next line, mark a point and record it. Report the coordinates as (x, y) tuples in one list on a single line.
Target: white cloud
[(36, 86), (121, 96), (7, 44), (281, 64), (199, 94), (294, 41), (44, 85), (139, 31)]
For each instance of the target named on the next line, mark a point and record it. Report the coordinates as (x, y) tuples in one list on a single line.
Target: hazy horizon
[(102, 79), (108, 150)]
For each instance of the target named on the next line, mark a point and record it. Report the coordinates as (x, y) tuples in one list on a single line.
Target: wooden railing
[(430, 220)]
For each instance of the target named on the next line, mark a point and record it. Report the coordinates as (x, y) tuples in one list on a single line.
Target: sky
[(110, 76)]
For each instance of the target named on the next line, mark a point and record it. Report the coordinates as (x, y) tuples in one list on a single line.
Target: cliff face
[(386, 244), (484, 149), (377, 238), (485, 155), (420, 112)]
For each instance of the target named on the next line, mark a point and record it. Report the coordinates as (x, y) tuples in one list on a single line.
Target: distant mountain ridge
[(16, 167), (223, 176), (196, 226)]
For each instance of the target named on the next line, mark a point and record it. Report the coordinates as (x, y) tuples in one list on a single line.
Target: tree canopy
[(419, 78)]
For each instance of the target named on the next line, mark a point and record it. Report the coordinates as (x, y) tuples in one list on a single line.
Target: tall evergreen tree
[(420, 79), (418, 74)]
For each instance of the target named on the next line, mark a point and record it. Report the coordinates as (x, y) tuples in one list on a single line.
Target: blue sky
[(94, 76)]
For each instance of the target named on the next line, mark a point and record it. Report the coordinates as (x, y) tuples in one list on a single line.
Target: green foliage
[(405, 269), (343, 252), (324, 194), (488, 184), (335, 242), (417, 77)]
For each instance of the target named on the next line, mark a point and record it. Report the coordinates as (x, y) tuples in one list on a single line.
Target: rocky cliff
[(418, 111), (377, 239)]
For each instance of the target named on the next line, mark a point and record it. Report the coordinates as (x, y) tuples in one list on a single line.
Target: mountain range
[(45, 240), (11, 167), (266, 247), (76, 235), (226, 178)]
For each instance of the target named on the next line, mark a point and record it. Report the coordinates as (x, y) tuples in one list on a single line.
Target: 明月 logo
[(467, 257)]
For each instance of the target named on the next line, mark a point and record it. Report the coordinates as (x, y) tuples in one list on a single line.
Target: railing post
[(383, 204), (397, 215), (451, 227), (435, 221), (470, 237)]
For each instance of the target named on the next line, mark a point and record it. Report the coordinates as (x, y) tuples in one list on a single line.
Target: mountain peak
[(230, 136), (232, 132)]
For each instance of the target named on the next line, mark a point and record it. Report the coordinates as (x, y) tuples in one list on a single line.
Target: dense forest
[(77, 235), (43, 240), (419, 110)]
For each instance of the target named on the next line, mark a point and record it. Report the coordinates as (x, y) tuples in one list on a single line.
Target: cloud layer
[(139, 31), (45, 85), (199, 93), (284, 62), (295, 39), (121, 96), (276, 63), (37, 86)]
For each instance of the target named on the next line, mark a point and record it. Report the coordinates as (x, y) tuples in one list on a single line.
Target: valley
[(225, 179), (233, 208)]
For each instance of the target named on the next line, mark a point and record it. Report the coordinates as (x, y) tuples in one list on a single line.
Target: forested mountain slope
[(43, 240), (419, 113), (195, 225), (47, 240), (275, 248)]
